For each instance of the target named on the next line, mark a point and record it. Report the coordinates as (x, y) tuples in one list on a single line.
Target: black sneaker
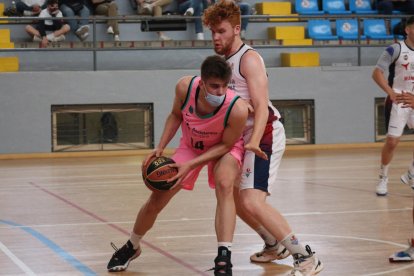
[(122, 257), (223, 262)]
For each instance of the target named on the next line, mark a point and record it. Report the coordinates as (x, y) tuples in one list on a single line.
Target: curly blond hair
[(220, 11)]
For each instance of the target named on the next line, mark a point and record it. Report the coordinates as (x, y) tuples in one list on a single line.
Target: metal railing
[(94, 47)]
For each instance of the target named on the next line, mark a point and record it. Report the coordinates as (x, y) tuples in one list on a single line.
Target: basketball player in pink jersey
[(264, 136), (212, 120)]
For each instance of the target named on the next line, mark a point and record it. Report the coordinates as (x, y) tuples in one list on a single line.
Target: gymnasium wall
[(344, 100)]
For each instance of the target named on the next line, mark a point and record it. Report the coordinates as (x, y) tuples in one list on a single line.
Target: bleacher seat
[(303, 59), (276, 8), (307, 7), (334, 7), (375, 29), (361, 7), (347, 29), (320, 30), (9, 64)]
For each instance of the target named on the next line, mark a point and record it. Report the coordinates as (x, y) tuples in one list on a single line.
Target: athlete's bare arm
[(174, 119), (379, 78), (253, 69)]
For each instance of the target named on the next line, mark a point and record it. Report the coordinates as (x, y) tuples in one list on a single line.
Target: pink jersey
[(201, 132)]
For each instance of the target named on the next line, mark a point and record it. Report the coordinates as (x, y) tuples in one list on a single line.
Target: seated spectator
[(387, 6), (30, 7), (47, 29), (194, 8), (245, 9), (70, 8), (107, 8), (153, 7)]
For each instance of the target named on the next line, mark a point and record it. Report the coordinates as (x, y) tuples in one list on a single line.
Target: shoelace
[(114, 247)]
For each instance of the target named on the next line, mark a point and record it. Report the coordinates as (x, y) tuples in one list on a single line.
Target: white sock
[(225, 244), (135, 239), (411, 168), (293, 245), (384, 170), (266, 236)]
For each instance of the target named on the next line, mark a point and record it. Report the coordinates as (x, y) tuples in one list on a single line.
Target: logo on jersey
[(191, 109), (405, 66), (405, 57), (248, 172)]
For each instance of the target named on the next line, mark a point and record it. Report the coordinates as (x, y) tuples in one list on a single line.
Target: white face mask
[(214, 100)]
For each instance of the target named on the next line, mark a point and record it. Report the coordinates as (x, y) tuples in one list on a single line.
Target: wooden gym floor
[(59, 215)]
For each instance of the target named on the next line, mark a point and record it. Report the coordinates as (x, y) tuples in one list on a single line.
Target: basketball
[(156, 173)]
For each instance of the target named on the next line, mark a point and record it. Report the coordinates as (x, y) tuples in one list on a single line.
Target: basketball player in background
[(398, 60), (407, 102), (212, 120), (264, 136)]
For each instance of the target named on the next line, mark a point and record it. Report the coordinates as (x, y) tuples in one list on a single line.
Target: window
[(102, 127), (380, 129), (298, 119)]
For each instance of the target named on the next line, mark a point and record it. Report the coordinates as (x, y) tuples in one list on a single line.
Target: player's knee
[(392, 142), (225, 187), (249, 206)]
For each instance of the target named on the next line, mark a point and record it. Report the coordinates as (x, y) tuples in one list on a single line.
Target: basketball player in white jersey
[(398, 60), (212, 120), (403, 101), (264, 138)]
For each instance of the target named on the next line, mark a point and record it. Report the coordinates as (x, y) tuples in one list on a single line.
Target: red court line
[(116, 227)]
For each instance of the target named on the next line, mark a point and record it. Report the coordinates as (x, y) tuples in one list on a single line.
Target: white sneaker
[(306, 265), (403, 256), (189, 12), (243, 34), (200, 36), (82, 32), (146, 8), (270, 253), (37, 38), (408, 179), (116, 38), (164, 37), (59, 38), (382, 189), (110, 30)]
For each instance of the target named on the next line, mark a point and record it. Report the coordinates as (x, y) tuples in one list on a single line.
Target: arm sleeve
[(387, 57)]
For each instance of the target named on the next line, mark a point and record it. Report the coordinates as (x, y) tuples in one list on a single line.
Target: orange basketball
[(156, 173)]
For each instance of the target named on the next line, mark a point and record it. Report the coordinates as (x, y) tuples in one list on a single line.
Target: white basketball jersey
[(403, 75), (238, 82)]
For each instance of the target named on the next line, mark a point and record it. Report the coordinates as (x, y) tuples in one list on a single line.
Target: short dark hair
[(410, 20), (215, 67), (52, 2)]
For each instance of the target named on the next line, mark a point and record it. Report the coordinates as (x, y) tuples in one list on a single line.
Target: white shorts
[(400, 117), (258, 173)]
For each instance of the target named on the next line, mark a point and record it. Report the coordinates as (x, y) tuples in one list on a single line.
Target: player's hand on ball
[(183, 170)]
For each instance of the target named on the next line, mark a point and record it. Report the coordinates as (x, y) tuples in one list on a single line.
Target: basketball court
[(59, 215)]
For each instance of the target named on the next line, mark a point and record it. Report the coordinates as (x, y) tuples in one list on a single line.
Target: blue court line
[(56, 248)]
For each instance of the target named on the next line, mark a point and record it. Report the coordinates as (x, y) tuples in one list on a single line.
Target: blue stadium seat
[(320, 30), (375, 29), (307, 7), (334, 7), (347, 29), (361, 7)]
